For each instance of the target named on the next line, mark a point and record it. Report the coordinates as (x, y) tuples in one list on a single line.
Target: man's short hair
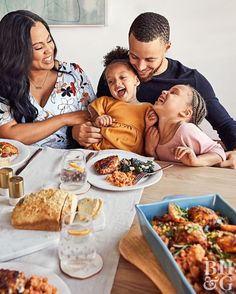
[(150, 26)]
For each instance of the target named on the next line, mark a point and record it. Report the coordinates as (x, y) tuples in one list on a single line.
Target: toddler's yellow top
[(127, 132)]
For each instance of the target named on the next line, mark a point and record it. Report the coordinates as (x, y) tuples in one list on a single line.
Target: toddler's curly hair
[(118, 55)]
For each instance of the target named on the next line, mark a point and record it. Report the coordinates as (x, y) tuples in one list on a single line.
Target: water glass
[(77, 242), (73, 173)]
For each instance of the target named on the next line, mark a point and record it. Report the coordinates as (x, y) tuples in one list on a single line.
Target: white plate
[(100, 180), (23, 150), (31, 269)]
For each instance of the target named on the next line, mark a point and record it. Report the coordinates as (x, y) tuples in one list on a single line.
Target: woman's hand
[(86, 134), (151, 141), (150, 118), (75, 118)]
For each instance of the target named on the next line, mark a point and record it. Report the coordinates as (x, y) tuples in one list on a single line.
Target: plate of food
[(12, 153), (19, 276), (117, 170)]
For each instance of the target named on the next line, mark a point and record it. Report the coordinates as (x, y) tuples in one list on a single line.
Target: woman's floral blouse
[(72, 92)]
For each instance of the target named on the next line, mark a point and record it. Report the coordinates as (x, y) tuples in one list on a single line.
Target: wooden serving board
[(134, 248)]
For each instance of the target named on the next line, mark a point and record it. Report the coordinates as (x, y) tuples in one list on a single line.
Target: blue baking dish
[(146, 212)]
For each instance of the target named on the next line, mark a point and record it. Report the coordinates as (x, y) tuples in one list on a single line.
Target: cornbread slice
[(89, 208), (43, 210)]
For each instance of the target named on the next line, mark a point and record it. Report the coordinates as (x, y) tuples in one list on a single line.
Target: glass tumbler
[(77, 242), (77, 250), (73, 172)]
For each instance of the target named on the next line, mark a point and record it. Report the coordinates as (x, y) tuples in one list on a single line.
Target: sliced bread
[(89, 208)]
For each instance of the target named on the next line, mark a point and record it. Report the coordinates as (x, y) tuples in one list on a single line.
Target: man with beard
[(148, 44)]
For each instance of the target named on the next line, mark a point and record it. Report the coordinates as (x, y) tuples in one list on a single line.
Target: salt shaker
[(16, 189), (5, 174)]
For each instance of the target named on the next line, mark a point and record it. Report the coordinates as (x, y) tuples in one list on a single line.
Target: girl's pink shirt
[(189, 135)]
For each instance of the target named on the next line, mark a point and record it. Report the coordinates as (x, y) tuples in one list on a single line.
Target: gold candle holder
[(5, 174), (16, 189)]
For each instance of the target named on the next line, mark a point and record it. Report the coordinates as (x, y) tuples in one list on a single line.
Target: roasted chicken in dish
[(197, 237), (190, 233), (203, 216), (227, 243)]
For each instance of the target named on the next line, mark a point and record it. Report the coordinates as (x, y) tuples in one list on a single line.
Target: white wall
[(203, 36)]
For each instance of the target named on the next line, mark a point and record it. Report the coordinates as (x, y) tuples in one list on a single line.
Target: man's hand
[(230, 161), (150, 118), (103, 121), (86, 134), (151, 141)]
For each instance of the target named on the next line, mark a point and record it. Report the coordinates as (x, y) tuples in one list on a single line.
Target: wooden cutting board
[(134, 248)]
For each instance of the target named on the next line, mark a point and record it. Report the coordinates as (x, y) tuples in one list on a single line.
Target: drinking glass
[(73, 173), (77, 247)]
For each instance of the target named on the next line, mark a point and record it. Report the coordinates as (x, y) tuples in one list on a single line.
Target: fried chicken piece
[(176, 213), (190, 260), (196, 253), (228, 228), (227, 243), (190, 233), (11, 281), (203, 216), (107, 165)]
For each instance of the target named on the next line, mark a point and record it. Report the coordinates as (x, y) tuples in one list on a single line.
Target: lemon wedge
[(79, 233), (76, 166)]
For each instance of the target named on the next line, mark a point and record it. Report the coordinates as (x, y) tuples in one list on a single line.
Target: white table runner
[(43, 172)]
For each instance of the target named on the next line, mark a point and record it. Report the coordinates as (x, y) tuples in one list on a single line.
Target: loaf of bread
[(43, 210)]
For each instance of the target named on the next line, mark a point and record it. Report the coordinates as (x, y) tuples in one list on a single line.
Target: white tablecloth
[(43, 172)]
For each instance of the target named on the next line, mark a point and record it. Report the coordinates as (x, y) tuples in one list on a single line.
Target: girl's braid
[(198, 106)]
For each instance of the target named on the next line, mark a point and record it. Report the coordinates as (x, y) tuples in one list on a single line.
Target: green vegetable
[(177, 252), (136, 165)]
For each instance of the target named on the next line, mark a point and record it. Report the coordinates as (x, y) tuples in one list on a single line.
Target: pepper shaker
[(5, 174)]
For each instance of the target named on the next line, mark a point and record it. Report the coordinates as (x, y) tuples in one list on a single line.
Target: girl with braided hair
[(177, 137)]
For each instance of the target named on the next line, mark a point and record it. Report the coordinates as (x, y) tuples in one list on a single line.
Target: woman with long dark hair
[(40, 97)]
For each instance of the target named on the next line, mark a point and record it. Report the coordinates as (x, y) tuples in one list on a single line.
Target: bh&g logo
[(219, 275)]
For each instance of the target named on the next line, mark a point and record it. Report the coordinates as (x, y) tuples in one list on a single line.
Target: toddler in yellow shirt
[(120, 117)]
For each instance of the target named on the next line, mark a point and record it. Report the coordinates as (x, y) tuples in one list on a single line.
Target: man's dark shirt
[(176, 74)]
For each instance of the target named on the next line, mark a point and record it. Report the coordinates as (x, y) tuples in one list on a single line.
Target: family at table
[(145, 102)]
